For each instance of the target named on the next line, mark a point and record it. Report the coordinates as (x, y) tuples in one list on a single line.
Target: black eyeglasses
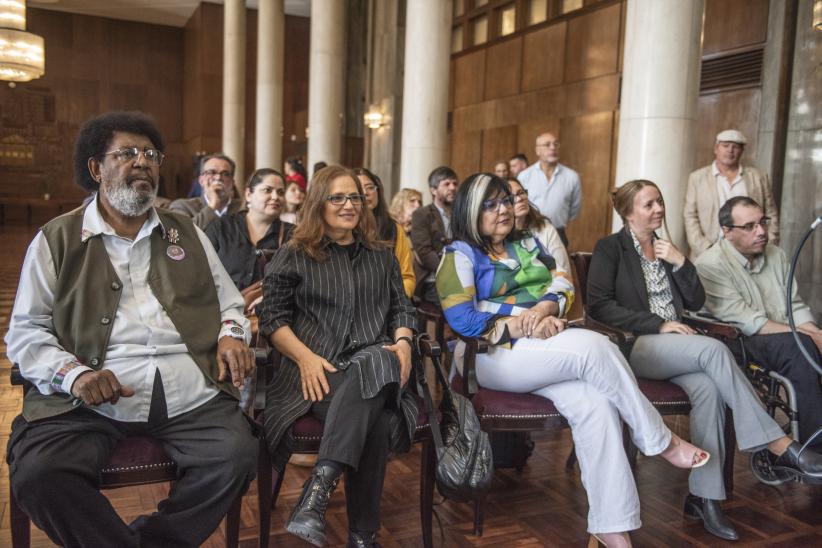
[(749, 227), (340, 199), (493, 205), (213, 173), (130, 154)]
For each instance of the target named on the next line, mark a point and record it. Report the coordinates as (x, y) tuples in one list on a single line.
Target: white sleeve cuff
[(66, 375)]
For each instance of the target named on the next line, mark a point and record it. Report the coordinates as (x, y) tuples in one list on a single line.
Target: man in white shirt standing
[(125, 323), (713, 185), (553, 187)]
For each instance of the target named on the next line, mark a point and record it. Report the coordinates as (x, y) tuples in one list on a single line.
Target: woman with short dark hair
[(335, 308), (498, 283)]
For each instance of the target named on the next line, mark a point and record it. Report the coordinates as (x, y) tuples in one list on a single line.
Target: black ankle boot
[(362, 540), (307, 520), (710, 513)]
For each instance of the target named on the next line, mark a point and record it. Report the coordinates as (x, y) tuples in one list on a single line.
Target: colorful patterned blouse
[(476, 289)]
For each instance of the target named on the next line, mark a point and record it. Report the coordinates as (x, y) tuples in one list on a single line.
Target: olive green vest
[(87, 295)]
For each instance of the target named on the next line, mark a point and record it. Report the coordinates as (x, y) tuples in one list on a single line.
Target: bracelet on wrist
[(406, 339)]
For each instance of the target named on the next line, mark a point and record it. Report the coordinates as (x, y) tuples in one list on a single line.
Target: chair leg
[(20, 524), (479, 514), (232, 523), (427, 464), (264, 495), (730, 450)]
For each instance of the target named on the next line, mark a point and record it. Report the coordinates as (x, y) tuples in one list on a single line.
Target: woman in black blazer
[(640, 282)]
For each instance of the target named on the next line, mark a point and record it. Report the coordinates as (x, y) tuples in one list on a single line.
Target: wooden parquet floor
[(543, 506)]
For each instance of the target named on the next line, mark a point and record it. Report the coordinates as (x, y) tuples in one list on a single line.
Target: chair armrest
[(468, 380), (711, 326), (619, 337), (428, 346), (17, 378)]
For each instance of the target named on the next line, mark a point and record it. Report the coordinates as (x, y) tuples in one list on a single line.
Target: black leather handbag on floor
[(465, 465)]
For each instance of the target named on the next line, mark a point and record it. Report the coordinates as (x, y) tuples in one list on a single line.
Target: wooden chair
[(136, 460), (307, 432), (666, 397), (432, 313)]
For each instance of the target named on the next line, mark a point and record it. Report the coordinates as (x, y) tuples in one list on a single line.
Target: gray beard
[(127, 201)]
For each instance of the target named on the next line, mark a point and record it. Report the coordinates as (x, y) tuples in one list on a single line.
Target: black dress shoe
[(807, 462), (307, 520), (362, 540), (711, 515)]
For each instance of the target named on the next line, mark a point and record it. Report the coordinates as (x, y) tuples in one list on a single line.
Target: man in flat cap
[(713, 185)]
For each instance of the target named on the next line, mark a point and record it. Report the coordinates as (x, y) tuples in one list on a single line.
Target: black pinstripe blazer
[(344, 309)]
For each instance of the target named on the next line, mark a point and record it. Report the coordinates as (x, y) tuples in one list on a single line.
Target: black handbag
[(465, 464)]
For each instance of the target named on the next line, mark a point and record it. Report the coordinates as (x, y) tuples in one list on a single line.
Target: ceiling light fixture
[(22, 54)]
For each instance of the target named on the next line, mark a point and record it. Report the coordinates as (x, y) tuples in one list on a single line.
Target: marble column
[(802, 182), (425, 92), (385, 60), (326, 81), (270, 61), (660, 87), (234, 87)]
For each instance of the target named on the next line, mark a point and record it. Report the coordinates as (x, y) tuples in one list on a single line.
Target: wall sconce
[(817, 14), (374, 119)]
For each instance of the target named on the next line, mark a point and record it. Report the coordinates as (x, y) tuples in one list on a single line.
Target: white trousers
[(592, 386)]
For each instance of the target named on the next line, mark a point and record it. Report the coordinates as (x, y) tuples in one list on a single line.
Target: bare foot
[(682, 454), (777, 447)]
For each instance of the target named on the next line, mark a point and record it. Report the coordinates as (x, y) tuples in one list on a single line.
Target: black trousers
[(54, 468), (780, 353), (356, 433)]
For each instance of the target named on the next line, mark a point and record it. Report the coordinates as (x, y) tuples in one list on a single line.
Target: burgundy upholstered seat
[(498, 410), (137, 460)]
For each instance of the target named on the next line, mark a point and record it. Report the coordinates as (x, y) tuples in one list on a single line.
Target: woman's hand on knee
[(312, 377), (677, 327), (402, 349)]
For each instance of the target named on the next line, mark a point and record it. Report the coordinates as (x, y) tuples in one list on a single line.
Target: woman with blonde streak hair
[(640, 282), (498, 283)]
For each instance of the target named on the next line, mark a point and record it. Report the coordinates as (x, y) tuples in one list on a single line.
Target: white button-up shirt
[(559, 199), (729, 189), (143, 338)]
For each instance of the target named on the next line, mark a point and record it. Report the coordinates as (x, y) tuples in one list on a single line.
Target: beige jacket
[(702, 206)]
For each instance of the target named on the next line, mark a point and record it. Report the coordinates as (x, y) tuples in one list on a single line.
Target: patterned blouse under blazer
[(476, 290)]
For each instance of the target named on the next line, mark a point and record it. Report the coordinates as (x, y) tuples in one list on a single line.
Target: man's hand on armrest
[(97, 387), (234, 357)]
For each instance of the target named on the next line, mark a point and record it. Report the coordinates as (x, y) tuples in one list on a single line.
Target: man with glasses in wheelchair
[(745, 279)]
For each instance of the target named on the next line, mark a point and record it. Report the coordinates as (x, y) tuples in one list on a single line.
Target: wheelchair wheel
[(761, 466)]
